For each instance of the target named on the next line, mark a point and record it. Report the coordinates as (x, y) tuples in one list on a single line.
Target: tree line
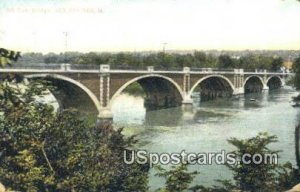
[(161, 60)]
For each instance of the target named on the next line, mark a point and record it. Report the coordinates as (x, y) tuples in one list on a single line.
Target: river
[(208, 125)]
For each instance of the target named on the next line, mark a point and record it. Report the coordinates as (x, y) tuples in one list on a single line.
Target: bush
[(45, 151)]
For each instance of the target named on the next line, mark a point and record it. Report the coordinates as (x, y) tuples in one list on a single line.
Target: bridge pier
[(187, 103), (105, 116), (238, 91), (238, 82), (265, 81), (265, 87)]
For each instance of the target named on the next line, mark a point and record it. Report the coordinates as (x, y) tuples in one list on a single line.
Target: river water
[(208, 125)]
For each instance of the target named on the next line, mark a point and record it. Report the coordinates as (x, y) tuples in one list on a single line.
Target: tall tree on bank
[(296, 69)]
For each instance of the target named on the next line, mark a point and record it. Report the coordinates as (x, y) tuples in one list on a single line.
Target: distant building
[(288, 64)]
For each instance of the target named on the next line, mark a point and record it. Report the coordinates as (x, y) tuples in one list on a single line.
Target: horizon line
[(159, 51)]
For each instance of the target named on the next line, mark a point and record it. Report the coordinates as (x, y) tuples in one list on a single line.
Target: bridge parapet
[(238, 71), (150, 68), (104, 68), (186, 69), (261, 71)]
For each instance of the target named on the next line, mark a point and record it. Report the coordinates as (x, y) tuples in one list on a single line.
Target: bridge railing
[(34, 66), (126, 67), (212, 69), (162, 68), (84, 67), (266, 71)]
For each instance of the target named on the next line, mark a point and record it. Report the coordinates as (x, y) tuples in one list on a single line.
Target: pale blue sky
[(129, 25)]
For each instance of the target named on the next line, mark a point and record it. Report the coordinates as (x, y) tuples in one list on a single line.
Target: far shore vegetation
[(135, 89), (248, 60)]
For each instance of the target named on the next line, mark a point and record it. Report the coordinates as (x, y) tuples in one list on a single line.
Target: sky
[(143, 25)]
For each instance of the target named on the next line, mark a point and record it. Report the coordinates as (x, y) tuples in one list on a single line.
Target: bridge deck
[(69, 68)]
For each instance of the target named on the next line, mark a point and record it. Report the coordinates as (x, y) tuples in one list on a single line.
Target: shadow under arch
[(213, 86), (253, 84), (157, 87), (274, 82), (71, 93)]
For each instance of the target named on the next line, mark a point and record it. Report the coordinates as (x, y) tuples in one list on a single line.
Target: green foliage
[(249, 62), (290, 81), (276, 64), (44, 151), (253, 177), (177, 179), (135, 89), (250, 177), (7, 56), (200, 57), (225, 61), (296, 68), (297, 147), (224, 186), (259, 177), (4, 61), (163, 60)]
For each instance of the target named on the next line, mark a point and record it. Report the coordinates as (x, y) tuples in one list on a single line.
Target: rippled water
[(208, 125)]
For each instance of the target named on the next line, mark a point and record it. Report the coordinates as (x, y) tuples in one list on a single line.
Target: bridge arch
[(137, 79), (253, 76), (91, 96), (253, 83), (224, 84), (274, 82)]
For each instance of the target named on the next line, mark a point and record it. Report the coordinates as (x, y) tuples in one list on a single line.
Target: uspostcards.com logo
[(218, 158)]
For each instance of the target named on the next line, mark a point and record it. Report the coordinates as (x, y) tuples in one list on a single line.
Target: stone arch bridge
[(95, 88)]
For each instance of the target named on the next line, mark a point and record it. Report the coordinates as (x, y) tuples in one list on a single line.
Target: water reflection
[(164, 117), (207, 126), (130, 110)]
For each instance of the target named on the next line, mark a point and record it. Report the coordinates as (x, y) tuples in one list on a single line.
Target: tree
[(225, 61), (276, 63), (7, 56), (45, 151), (165, 60), (212, 61), (296, 69), (250, 176), (188, 60), (249, 61), (200, 59), (263, 176), (177, 179), (51, 58), (265, 62), (297, 147)]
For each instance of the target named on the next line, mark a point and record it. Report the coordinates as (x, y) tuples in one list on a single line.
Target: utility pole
[(164, 47), (66, 44)]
